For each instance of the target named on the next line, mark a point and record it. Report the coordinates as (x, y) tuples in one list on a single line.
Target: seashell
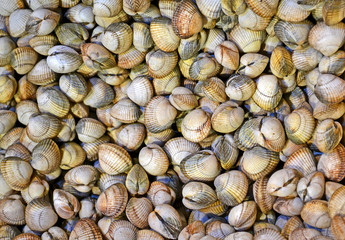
[(114, 159), (37, 188), (27, 236), (12, 210), (283, 109), (283, 183), (336, 203), (304, 233), (160, 193), (119, 229), (135, 132), (25, 89), (153, 159), (99, 95), (159, 138), (210, 9), (72, 34), (183, 99), (281, 63), (133, 7), (8, 87), (113, 201), (42, 44), (215, 37), (137, 182), (262, 198), (89, 130), (293, 223), (52, 100), (41, 74), (333, 64), (66, 205), (42, 126), (330, 188), (195, 131), (11, 137), (327, 135), (40, 215), (214, 89), (268, 92), (200, 166), (82, 14), (337, 226), (7, 45), (106, 21), (315, 214), (72, 155), (159, 114), (23, 59), (7, 120), (333, 12), (42, 22), (163, 35), (46, 156), (189, 47), (254, 19), (74, 86), (242, 216), (226, 150), (8, 7), (82, 178), (113, 76), (329, 89), (331, 163), (245, 136), (53, 233), (91, 149), (16, 22), (131, 58), (107, 8), (203, 67), (166, 221), (306, 59), (86, 229), (138, 210), (63, 59), (18, 150), (125, 111), (106, 180), (97, 57), (195, 229), (178, 148), (258, 162), (227, 117), (247, 41), (239, 235), (160, 63), (288, 206), (117, 37), (327, 39), (68, 3), (292, 12), (265, 9), (252, 64), (198, 195), (227, 55), (311, 187), (299, 125)]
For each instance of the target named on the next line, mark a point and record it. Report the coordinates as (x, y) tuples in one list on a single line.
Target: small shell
[(338, 223), (41, 74), (91, 149), (195, 131), (214, 38), (130, 58), (268, 233), (114, 159), (160, 63), (299, 125), (201, 166), (132, 7), (226, 150), (179, 148), (189, 47), (264, 9), (198, 195), (46, 156), (42, 22), (125, 111), (239, 235), (304, 233), (243, 216), (262, 198), (334, 64), (289, 10), (137, 182), (327, 39), (252, 20), (113, 201), (99, 95), (40, 215), (159, 193), (23, 59), (195, 229), (52, 100), (210, 9), (74, 86), (16, 22), (113, 76), (11, 137), (106, 21), (66, 205), (142, 39), (63, 59), (159, 114), (86, 229), (281, 63), (331, 164), (283, 183), (258, 162), (97, 57), (7, 121), (72, 34), (81, 13), (72, 155), (311, 187), (183, 99), (288, 206), (153, 159), (82, 178), (203, 67), (117, 37), (329, 89), (89, 129), (166, 221), (214, 89), (247, 40), (327, 135), (252, 64), (163, 34), (12, 210), (27, 236), (227, 117), (306, 59), (54, 233), (138, 210)]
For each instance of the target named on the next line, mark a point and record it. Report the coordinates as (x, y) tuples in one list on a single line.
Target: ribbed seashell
[(89, 129), (227, 117), (106, 180), (97, 57), (142, 39), (130, 136), (160, 63), (63, 59), (7, 45), (117, 37), (42, 44), (336, 202), (66, 205), (11, 137), (137, 182), (54, 233), (68, 3), (311, 187), (330, 89), (163, 34), (8, 88), (40, 215), (327, 135), (293, 35), (231, 187), (245, 136), (227, 54), (106, 21), (43, 126), (160, 193), (258, 162), (52, 100), (83, 14), (113, 76), (179, 148), (107, 8), (99, 95), (268, 92), (87, 208), (41, 74), (283, 183), (288, 206), (42, 22), (337, 226), (203, 67), (252, 64), (315, 214), (167, 7), (117, 229), (226, 150), (16, 22), (72, 155), (26, 90), (159, 138), (113, 201), (201, 166), (214, 89), (131, 58), (153, 159), (334, 64), (271, 42), (190, 46), (86, 229), (195, 131), (82, 178), (302, 160), (10, 6), (206, 104), (291, 224), (331, 164), (18, 150), (242, 216), (91, 149), (252, 20), (217, 229), (38, 188), (289, 10), (159, 114), (23, 59), (72, 34), (333, 12), (183, 99), (281, 63), (137, 211), (74, 86), (268, 233), (198, 195), (26, 141), (264, 9), (114, 159), (215, 37), (27, 236), (306, 59), (304, 233), (133, 7), (7, 121), (299, 125), (327, 39), (195, 229), (121, 90), (239, 235), (262, 198), (46, 156), (247, 40), (166, 221), (125, 111), (210, 9), (12, 210)]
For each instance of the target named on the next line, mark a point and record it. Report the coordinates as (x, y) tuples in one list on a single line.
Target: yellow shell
[(86, 229), (153, 159), (43, 126), (163, 34), (198, 195), (117, 37), (114, 159), (331, 163), (281, 63), (41, 74), (302, 160), (243, 216), (227, 117), (160, 63), (23, 59)]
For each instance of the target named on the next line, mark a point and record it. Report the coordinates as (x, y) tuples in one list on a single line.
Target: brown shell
[(137, 211), (86, 229), (113, 201), (331, 164), (262, 198)]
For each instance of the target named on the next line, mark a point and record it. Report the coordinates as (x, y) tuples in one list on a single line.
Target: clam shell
[(72, 155), (12, 210), (311, 187), (336, 203), (330, 89), (189, 47), (26, 90), (63, 59), (137, 182), (293, 223), (99, 95), (42, 44), (304, 233), (27, 236), (333, 12), (41, 74), (23, 59), (226, 150), (43, 126), (214, 89), (160, 193), (288, 206), (227, 117), (283, 183), (114, 159), (331, 163), (106, 8), (163, 35), (82, 178), (113, 76), (86, 229), (46, 156), (252, 20), (267, 233), (333, 64), (42, 22), (247, 40), (160, 63), (125, 111), (327, 135), (252, 64), (52, 100), (130, 58), (55, 232), (262, 198), (265, 8), (178, 148), (281, 63), (113, 201), (306, 59), (16, 22), (74, 86), (227, 54), (72, 34), (203, 67), (242, 216), (91, 149), (258, 162), (97, 57), (153, 159), (7, 120), (289, 10), (117, 37), (10, 6), (159, 138), (66, 205), (214, 38), (210, 9), (12, 136), (337, 226), (133, 7), (142, 39), (302, 160), (106, 180), (195, 229), (315, 214), (183, 99), (239, 235), (122, 230), (89, 129), (198, 195), (138, 210), (195, 131), (18, 150), (245, 137), (106, 21)]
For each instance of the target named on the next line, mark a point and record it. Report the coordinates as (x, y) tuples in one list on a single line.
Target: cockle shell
[(114, 159)]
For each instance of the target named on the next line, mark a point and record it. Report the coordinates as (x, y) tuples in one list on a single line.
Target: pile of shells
[(172, 119)]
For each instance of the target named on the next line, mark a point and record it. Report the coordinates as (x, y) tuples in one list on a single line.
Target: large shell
[(283, 183), (137, 182), (302, 160), (130, 58), (66, 205), (52, 100), (315, 214), (42, 44), (311, 187), (142, 39), (41, 74), (114, 159), (72, 34), (327, 135), (330, 89), (12, 210), (42, 22), (242, 217), (99, 95), (160, 63), (289, 10), (137, 211), (227, 117), (125, 111), (113, 201), (23, 59), (163, 34), (130, 136), (63, 59), (16, 22), (82, 178), (240, 87)]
